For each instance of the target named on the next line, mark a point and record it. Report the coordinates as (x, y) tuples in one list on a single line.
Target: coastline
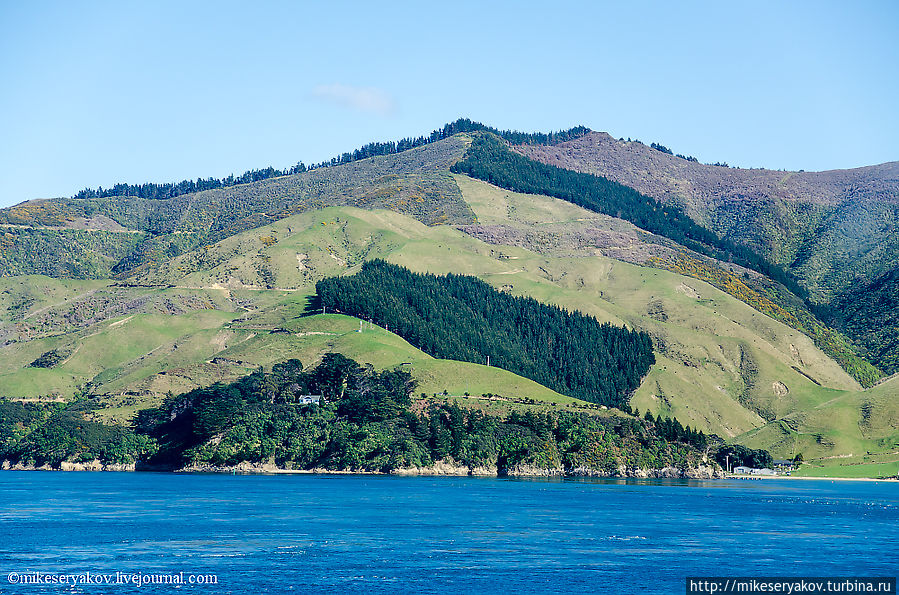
[(439, 469), (450, 469), (123, 468)]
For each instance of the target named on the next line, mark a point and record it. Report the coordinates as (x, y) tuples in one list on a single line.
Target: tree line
[(672, 430), (170, 190), (463, 318)]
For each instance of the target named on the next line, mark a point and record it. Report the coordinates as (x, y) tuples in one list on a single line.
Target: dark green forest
[(364, 423), (49, 434), (491, 160), (673, 431), (463, 318)]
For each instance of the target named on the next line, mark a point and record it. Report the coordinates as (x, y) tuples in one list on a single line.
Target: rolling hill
[(211, 285), (720, 363)]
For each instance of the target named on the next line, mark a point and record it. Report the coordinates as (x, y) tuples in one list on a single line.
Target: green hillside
[(63, 252), (835, 231), (193, 311), (68, 237), (132, 362), (98, 234), (855, 423), (711, 347), (871, 313), (830, 228), (852, 434), (765, 286)]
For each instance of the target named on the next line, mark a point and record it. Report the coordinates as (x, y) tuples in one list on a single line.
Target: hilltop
[(100, 237)]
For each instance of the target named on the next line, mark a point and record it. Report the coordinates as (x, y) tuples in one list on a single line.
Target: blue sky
[(95, 93)]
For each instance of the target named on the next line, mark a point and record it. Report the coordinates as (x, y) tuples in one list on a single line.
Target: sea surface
[(380, 534)]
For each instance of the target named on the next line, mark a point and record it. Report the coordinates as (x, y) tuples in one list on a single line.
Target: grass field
[(857, 470)]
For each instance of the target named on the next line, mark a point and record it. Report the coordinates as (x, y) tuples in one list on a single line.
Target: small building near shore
[(764, 471), (742, 470)]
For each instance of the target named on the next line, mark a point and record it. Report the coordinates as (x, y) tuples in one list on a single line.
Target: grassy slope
[(100, 351), (763, 295), (335, 240), (35, 236), (133, 361), (703, 340), (855, 434), (707, 330), (832, 229), (21, 297), (687, 304)]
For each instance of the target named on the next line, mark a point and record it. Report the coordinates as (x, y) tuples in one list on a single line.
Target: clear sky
[(93, 93)]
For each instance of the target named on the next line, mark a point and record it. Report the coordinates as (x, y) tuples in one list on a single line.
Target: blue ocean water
[(373, 534)]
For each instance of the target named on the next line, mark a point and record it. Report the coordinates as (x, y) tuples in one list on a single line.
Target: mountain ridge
[(783, 212)]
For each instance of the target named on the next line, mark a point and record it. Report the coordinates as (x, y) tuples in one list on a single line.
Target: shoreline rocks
[(95, 465), (439, 469)]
